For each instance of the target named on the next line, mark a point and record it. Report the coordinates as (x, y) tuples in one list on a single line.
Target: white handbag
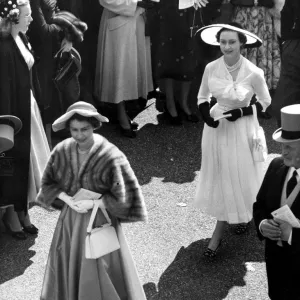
[(259, 144), (100, 240)]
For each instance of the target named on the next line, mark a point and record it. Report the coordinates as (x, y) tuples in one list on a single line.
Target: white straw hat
[(290, 121), (82, 108), (208, 35)]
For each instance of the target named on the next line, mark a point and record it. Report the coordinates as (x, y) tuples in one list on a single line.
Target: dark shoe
[(175, 121), (31, 229), (134, 125), (18, 235), (193, 118), (172, 120), (128, 132), (209, 253), (241, 228)]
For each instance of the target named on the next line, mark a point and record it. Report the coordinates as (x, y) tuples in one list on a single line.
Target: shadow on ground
[(15, 256), (191, 276), (161, 151)]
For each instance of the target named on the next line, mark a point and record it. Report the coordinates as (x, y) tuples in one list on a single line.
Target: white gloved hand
[(200, 3)]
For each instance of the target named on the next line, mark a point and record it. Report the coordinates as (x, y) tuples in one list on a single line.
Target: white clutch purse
[(259, 144), (101, 240)]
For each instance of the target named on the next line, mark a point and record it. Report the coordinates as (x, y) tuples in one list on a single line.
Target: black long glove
[(245, 111), (204, 110), (147, 4)]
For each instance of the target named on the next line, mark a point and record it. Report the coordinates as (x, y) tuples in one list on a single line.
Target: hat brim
[(60, 123), (15, 120), (208, 35), (278, 138)]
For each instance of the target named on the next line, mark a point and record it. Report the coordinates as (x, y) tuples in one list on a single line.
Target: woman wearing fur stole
[(87, 160)]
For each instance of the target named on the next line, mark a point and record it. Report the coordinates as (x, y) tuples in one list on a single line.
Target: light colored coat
[(123, 68)]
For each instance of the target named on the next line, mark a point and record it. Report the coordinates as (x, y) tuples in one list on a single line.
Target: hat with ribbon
[(82, 108), (290, 122), (9, 126), (209, 35)]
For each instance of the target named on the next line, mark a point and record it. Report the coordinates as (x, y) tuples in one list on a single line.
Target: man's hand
[(271, 230), (200, 3), (286, 230)]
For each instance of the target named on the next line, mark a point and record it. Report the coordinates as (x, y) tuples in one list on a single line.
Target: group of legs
[(177, 92), (17, 223)]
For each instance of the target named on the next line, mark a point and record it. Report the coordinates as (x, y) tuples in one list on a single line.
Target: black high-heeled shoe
[(209, 253), (241, 228), (128, 132), (177, 121), (31, 229), (134, 125), (193, 118), (18, 235)]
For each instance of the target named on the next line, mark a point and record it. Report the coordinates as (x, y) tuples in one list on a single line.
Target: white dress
[(229, 178), (39, 150)]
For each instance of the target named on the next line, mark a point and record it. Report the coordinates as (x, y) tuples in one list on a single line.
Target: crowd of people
[(239, 56)]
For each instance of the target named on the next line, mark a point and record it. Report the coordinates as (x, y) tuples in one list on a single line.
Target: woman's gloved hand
[(204, 110), (200, 3), (146, 4), (241, 112)]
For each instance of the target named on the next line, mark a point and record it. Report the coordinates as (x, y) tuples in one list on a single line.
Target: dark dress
[(288, 89), (15, 99), (176, 49), (45, 39)]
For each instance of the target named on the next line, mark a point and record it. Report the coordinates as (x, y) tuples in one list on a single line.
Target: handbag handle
[(93, 215), (60, 51), (256, 124)]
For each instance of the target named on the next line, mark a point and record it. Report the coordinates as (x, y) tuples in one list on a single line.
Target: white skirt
[(229, 178), (39, 151)]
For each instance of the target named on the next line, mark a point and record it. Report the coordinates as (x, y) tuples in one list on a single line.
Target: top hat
[(9, 126), (290, 122), (209, 35), (82, 108)]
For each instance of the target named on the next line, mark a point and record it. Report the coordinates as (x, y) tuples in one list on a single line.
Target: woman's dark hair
[(242, 37), (93, 121)]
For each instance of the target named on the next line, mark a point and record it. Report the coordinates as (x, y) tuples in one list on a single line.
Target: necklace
[(83, 151), (234, 67)]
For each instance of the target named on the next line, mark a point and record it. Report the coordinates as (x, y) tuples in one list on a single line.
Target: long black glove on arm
[(241, 112), (204, 110)]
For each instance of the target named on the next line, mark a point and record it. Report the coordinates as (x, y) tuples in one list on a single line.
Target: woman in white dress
[(229, 178)]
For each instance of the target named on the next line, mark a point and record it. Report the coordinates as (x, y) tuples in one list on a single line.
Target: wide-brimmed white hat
[(9, 126), (290, 122), (82, 108), (208, 35)]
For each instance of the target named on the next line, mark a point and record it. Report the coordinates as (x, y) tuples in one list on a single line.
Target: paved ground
[(167, 249)]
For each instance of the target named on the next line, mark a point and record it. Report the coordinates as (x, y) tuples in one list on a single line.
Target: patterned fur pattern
[(106, 170)]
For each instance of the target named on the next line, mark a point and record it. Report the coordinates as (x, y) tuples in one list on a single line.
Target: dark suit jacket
[(269, 199)]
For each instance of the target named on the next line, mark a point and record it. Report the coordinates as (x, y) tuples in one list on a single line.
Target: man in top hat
[(282, 241)]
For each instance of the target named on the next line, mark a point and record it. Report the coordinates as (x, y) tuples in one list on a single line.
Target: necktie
[(291, 184)]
